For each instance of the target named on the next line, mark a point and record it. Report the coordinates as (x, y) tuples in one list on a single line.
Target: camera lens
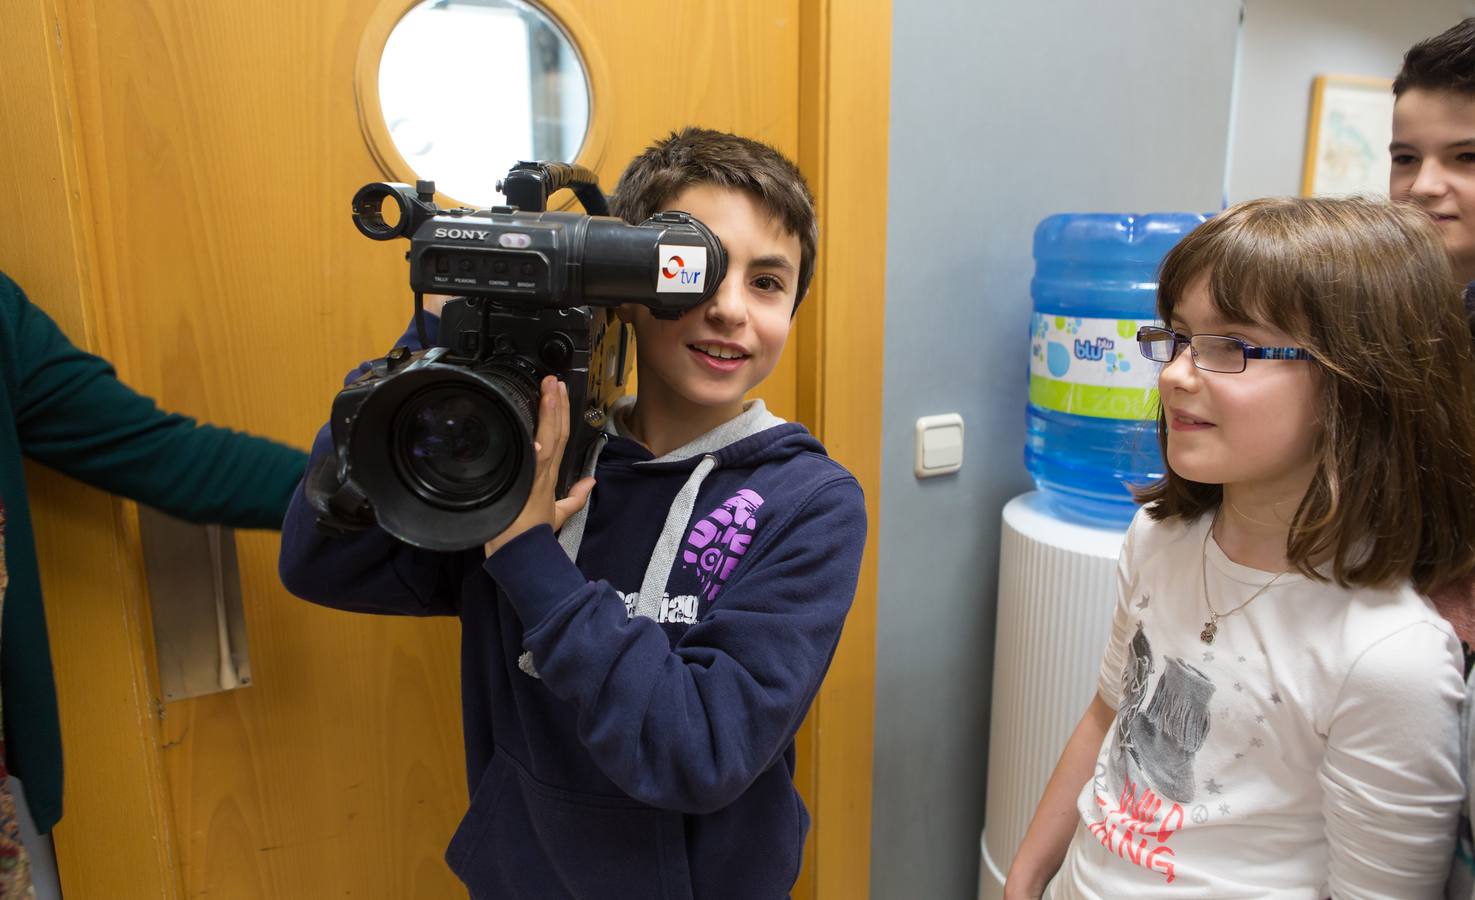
[(457, 446), (444, 453), (450, 437)]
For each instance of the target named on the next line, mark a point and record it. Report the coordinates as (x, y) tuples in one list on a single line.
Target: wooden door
[(202, 157)]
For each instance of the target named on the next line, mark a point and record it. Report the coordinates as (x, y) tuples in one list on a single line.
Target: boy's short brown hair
[(1365, 286), (694, 156), (1445, 62)]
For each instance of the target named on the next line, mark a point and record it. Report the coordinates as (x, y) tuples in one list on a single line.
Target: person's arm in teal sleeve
[(73, 414)]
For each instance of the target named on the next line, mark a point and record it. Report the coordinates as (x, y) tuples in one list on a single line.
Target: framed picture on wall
[(1347, 137)]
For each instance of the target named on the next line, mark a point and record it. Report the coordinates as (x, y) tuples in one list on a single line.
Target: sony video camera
[(436, 445)]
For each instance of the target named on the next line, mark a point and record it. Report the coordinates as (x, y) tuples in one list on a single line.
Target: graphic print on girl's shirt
[(1151, 756), (1155, 747)]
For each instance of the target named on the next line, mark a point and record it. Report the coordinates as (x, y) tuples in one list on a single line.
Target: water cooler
[(1091, 430), (1057, 590)]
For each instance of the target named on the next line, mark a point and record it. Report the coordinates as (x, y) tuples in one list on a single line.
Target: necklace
[(1252, 519), (1211, 627)]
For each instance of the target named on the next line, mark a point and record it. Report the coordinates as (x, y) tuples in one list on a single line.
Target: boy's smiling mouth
[(719, 355)]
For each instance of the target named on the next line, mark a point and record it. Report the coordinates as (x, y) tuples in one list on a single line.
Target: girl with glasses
[(1277, 712)]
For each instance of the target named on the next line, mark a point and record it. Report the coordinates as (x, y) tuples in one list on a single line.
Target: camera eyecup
[(368, 210)]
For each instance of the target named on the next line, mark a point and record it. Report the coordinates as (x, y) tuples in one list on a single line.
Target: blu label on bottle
[(1091, 367)]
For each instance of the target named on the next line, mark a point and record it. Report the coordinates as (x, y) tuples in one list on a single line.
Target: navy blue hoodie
[(630, 720)]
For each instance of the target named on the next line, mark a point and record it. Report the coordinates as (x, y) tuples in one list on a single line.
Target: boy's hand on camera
[(542, 508)]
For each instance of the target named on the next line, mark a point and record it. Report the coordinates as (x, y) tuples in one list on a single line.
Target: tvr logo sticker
[(683, 269)]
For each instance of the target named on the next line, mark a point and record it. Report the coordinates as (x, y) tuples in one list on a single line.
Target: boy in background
[(637, 657), (1433, 148), (1433, 156)]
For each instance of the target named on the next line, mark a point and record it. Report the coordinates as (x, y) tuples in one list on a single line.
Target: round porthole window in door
[(460, 90)]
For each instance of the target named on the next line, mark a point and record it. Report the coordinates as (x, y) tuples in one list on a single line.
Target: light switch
[(939, 447)]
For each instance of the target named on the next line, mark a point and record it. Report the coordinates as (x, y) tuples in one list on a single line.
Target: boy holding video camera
[(638, 656)]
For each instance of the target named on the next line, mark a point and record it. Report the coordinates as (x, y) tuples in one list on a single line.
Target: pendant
[(1211, 628)]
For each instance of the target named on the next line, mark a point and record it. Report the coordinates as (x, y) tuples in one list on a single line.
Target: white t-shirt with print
[(1310, 751)]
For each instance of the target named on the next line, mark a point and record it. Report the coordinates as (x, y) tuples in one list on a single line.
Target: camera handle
[(529, 184)]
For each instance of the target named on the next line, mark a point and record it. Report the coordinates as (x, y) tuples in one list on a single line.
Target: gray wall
[(1287, 43), (1001, 113)]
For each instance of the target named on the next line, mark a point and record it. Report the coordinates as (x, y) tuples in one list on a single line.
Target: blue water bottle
[(1092, 412)]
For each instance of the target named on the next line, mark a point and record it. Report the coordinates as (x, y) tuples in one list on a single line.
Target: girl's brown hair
[(1365, 286)]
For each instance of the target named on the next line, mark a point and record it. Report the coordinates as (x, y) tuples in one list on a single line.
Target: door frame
[(844, 129), (119, 824)]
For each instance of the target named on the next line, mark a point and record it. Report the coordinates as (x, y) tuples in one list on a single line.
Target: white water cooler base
[(1057, 591)]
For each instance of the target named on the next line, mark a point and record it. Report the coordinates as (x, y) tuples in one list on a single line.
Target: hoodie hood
[(754, 436)]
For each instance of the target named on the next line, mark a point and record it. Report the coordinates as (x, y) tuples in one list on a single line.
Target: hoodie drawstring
[(571, 535), (653, 585)]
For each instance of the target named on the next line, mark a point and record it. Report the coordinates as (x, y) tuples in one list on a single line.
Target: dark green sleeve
[(73, 414)]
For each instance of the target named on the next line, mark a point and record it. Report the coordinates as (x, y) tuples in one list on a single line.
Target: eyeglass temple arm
[(1277, 353)]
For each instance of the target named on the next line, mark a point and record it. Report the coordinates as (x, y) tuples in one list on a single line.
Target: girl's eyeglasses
[(1210, 352)]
